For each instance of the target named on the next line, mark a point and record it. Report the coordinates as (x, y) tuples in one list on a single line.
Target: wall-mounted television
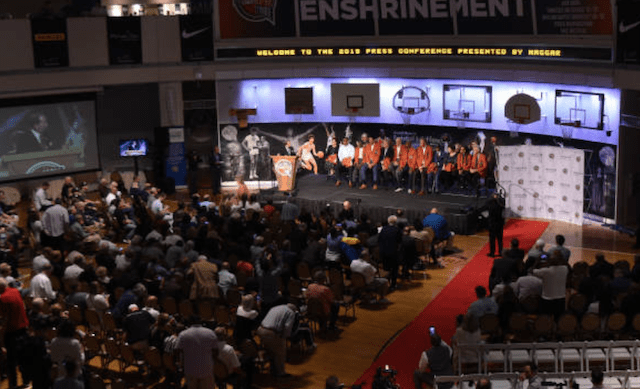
[(133, 147)]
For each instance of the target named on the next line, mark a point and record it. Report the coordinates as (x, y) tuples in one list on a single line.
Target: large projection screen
[(47, 136)]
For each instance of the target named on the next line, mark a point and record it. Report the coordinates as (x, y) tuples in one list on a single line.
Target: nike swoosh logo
[(187, 35), (626, 28)]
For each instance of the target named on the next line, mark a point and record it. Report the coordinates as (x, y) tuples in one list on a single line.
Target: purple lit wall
[(267, 95)]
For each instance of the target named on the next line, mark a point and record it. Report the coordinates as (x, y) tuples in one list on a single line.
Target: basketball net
[(352, 113), (567, 132), (406, 118), (514, 128)]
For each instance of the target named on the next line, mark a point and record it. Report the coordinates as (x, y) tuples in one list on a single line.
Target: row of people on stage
[(422, 169)]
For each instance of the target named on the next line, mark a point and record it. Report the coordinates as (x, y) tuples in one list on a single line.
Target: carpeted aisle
[(404, 352)]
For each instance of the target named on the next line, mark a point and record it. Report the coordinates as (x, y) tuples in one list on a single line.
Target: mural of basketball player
[(250, 143), (307, 152), (295, 140), (232, 156)]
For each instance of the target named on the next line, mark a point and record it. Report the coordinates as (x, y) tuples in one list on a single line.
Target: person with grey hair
[(41, 284), (536, 252), (389, 240)]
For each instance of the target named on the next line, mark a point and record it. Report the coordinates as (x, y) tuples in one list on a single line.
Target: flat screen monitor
[(47, 136), (133, 147)]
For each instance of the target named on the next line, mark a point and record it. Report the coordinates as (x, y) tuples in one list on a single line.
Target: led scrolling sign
[(524, 52)]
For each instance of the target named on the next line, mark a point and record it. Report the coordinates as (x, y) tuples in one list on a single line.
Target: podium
[(285, 169), (44, 161)]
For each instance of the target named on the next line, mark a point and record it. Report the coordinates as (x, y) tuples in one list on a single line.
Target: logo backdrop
[(50, 48), (256, 18), (543, 181), (196, 37)]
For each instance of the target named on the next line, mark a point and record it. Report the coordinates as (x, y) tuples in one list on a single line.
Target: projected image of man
[(36, 137)]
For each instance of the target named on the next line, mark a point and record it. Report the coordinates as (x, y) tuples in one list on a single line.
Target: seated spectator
[(369, 272), (226, 279), (434, 362), (535, 254), (245, 319), (318, 290), (559, 247), (333, 253), (516, 253), (504, 268), (66, 347), (527, 285), (601, 268), (152, 306), (483, 305), (468, 332), (69, 380), (137, 328), (440, 229), (227, 356), (620, 284)]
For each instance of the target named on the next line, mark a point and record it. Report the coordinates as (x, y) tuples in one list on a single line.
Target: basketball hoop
[(567, 132), (461, 124), (297, 115)]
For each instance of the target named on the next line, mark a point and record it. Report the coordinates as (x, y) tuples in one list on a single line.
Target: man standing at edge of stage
[(495, 223)]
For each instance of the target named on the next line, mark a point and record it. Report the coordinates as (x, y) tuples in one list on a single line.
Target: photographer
[(437, 361)]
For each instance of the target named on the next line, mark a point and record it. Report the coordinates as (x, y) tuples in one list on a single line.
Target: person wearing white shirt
[(40, 199), (369, 272), (346, 155), (41, 285), (228, 357), (554, 285), (113, 194), (55, 222)]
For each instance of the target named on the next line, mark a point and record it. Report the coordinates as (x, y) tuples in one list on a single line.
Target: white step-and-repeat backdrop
[(543, 182)]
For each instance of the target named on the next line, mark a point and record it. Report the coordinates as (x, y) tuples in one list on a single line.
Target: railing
[(505, 356), (629, 379)]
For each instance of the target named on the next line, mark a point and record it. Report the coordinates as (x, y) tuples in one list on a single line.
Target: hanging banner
[(50, 48), (176, 162), (256, 19), (196, 38), (273, 18), (628, 45), (575, 17), (125, 40)]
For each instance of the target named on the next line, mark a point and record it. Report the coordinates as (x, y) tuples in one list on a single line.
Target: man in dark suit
[(495, 222), (389, 240), (35, 138), (515, 253), (504, 269)]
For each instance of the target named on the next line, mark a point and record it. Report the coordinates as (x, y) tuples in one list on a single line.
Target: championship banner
[(628, 32), (256, 19), (125, 40), (580, 17), (50, 48), (543, 181), (176, 162), (196, 38)]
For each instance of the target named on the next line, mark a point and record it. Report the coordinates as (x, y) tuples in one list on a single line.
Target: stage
[(315, 193)]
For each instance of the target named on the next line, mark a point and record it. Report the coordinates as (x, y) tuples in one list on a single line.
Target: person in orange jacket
[(462, 164), (371, 162), (423, 159), (399, 163), (386, 156), (412, 165), (358, 160), (478, 168)]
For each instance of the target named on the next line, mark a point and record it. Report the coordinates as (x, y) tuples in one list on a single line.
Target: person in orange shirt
[(359, 157), (423, 159), (399, 163), (412, 166), (478, 168), (371, 162), (462, 165)]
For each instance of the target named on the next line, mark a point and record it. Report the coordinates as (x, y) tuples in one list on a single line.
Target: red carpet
[(404, 352)]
